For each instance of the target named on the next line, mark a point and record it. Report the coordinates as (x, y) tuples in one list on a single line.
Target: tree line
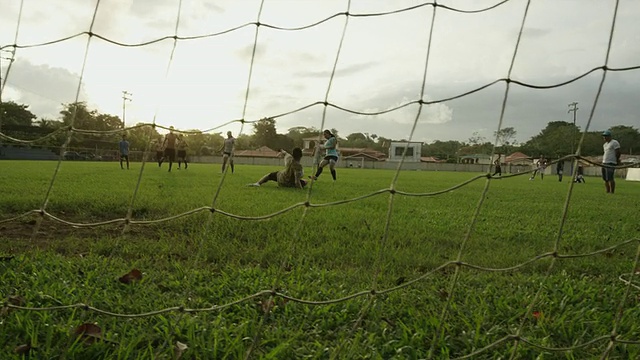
[(558, 138)]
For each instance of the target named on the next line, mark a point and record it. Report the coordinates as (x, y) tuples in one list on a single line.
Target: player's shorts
[(608, 172), (331, 157), (182, 153), (124, 157), (273, 176), (226, 154), (170, 154), (159, 154)]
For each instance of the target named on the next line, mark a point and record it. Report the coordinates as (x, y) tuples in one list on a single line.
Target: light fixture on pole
[(573, 107), (125, 98)]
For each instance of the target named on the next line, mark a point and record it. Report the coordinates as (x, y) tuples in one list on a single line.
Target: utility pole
[(573, 107), (125, 98)]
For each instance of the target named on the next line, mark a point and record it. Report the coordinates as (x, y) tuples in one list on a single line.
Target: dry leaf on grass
[(22, 349), (179, 349), (130, 277), (16, 300), (267, 305), (88, 333)]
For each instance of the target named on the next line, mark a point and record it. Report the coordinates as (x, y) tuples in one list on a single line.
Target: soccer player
[(182, 151), (331, 155), (498, 167), (541, 165), (560, 169), (579, 175), (228, 148), (159, 150), (291, 175), (169, 145), (610, 159), (124, 151)]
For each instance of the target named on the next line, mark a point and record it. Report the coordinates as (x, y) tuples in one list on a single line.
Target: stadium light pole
[(125, 98), (573, 107)]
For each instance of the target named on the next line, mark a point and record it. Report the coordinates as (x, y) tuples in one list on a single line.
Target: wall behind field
[(392, 165)]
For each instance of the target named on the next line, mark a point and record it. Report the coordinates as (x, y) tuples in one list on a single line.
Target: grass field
[(317, 253)]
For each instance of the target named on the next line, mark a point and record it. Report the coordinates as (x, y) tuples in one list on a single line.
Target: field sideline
[(317, 254)]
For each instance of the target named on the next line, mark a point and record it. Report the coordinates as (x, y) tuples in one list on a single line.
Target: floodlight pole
[(125, 98), (573, 107)]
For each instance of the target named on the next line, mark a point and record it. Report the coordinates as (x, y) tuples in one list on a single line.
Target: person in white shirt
[(610, 159), (228, 148)]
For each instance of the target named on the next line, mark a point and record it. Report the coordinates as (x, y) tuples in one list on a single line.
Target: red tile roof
[(263, 151)]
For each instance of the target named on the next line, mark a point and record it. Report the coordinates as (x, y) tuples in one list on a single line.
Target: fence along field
[(433, 265), (335, 255)]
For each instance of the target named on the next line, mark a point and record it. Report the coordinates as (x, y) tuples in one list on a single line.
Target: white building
[(413, 150)]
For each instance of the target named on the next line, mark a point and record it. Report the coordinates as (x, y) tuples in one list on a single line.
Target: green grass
[(317, 253)]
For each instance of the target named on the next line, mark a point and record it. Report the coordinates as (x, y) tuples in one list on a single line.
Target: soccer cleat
[(313, 177), (254, 184)]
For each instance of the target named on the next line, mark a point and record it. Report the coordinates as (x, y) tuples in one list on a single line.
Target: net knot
[(307, 204), (258, 23), (392, 191), (85, 307), (373, 292), (181, 308)]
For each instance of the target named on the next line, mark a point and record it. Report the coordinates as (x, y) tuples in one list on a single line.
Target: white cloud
[(380, 65)]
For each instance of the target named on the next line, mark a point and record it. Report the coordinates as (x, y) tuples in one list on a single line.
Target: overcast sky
[(380, 65)]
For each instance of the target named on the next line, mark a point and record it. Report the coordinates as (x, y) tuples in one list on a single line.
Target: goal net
[(200, 69)]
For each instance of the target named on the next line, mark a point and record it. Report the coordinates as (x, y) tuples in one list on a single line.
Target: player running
[(331, 155)]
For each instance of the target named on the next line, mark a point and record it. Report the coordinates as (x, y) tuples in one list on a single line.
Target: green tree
[(358, 140), (265, 132), (442, 149), (592, 144), (506, 140), (244, 142), (12, 113), (382, 144), (140, 137), (628, 137), (298, 133), (476, 138), (558, 138)]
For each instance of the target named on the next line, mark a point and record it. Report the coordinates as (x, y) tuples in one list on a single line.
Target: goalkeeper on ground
[(291, 175)]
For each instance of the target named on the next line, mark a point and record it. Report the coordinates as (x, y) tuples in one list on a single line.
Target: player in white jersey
[(610, 159), (228, 148)]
